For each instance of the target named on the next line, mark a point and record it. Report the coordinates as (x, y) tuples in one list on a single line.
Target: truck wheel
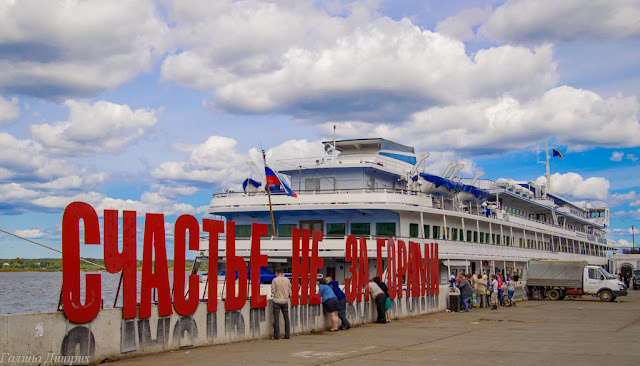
[(606, 296), (554, 294)]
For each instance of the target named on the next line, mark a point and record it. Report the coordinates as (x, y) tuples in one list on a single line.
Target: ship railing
[(326, 192)]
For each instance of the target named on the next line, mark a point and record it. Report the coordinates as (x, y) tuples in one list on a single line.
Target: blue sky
[(154, 105)]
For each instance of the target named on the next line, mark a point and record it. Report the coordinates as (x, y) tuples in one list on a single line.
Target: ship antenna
[(334, 138)]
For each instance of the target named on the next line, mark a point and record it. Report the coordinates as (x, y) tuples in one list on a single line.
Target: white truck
[(556, 279)]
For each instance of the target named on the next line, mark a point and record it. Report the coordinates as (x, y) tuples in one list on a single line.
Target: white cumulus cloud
[(616, 156), (533, 21), (60, 48), (9, 110), (573, 184), (322, 67), (97, 127)]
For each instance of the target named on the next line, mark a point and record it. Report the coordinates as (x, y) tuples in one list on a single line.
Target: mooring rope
[(54, 249)]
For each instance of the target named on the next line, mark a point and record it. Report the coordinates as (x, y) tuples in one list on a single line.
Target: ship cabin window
[(244, 231), (427, 231), (454, 233), (312, 184), (336, 230), (497, 242), (413, 230), (436, 232), (507, 240), (520, 242), (469, 237), (386, 229), (475, 236), (312, 225), (361, 228), (481, 237), (285, 230)]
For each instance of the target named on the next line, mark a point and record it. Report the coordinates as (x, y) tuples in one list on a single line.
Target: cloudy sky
[(154, 105)]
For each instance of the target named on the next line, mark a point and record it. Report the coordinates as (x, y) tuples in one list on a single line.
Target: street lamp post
[(633, 236)]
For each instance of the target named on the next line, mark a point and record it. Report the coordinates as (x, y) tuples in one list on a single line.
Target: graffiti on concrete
[(79, 341)]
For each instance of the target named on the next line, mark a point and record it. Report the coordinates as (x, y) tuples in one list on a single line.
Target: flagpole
[(548, 172), (273, 227)]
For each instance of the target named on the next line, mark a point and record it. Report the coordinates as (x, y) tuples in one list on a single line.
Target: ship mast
[(547, 174), (273, 227)]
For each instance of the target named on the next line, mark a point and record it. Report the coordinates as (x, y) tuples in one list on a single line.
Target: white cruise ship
[(375, 188)]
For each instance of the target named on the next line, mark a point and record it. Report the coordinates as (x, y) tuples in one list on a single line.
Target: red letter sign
[(125, 261), (73, 308), (316, 264), (214, 228), (392, 276), (183, 306), (402, 266), (300, 268), (235, 264), (154, 240), (351, 289), (257, 262)]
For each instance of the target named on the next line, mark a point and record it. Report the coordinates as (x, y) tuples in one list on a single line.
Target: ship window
[(469, 237), (285, 230), (386, 228), (481, 237), (243, 231), (498, 240), (436, 232), (455, 233), (361, 228), (475, 236), (427, 231), (336, 230), (312, 225), (507, 240), (312, 184), (413, 230)]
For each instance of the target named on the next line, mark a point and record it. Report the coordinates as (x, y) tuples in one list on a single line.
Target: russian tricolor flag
[(556, 153), (276, 179)]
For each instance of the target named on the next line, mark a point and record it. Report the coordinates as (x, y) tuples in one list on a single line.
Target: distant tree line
[(55, 265)]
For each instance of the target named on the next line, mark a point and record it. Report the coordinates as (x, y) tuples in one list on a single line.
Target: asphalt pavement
[(581, 331)]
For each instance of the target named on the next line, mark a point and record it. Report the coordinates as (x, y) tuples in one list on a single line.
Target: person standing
[(511, 289), (387, 301), (494, 292), (342, 300), (330, 302), (499, 279), (482, 291), (281, 292), (378, 297), (466, 291)]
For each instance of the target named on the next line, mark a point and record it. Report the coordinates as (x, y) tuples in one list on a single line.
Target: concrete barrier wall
[(49, 338)]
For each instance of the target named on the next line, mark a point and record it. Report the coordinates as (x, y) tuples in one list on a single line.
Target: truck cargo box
[(560, 273)]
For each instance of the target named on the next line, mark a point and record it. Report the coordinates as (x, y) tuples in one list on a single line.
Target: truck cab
[(597, 281)]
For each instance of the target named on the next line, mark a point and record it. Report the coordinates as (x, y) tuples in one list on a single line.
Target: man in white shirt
[(494, 293)]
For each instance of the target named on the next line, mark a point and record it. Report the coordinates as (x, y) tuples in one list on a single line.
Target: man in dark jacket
[(466, 291), (342, 300)]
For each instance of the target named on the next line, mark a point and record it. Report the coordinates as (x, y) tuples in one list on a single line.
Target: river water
[(39, 292)]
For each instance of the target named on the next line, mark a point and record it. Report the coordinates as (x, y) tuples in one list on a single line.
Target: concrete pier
[(568, 332)]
